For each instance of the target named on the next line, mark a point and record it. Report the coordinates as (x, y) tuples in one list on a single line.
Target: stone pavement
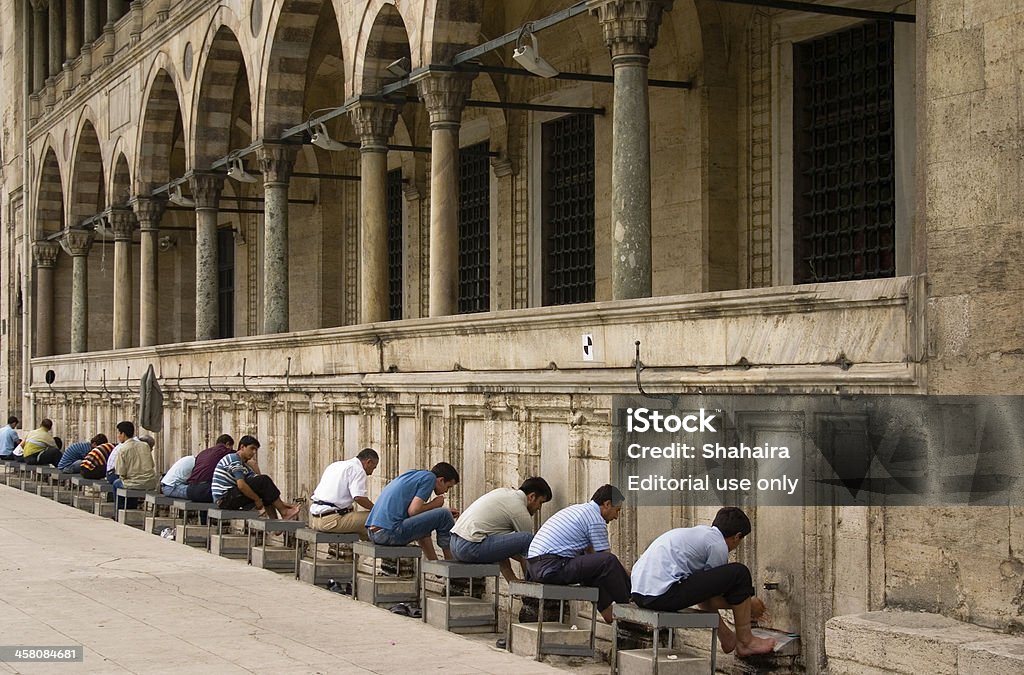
[(142, 604)]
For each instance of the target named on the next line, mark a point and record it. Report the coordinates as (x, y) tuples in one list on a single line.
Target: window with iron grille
[(568, 208), (474, 229), (226, 282), (844, 153), (395, 244)]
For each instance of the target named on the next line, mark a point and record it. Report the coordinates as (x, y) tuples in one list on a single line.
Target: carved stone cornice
[(149, 211), (630, 26), (206, 189), (121, 221), (276, 161), (78, 242), (445, 96), (375, 123), (45, 254)]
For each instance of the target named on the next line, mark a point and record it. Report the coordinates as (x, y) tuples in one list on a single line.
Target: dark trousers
[(264, 488), (731, 581), (49, 456), (600, 570), (200, 492), (95, 474)]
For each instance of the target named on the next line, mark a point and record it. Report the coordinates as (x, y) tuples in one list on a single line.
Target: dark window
[(395, 244), (568, 208), (226, 282), (474, 229), (844, 174)]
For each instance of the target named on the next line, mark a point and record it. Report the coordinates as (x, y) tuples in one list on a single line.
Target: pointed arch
[(387, 40), (450, 26), (120, 180), (224, 110), (50, 195), (88, 183), (162, 136)]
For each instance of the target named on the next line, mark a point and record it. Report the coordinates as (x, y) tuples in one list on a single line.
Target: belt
[(331, 512)]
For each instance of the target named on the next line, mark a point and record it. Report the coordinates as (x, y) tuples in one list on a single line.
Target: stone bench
[(102, 505), (637, 661), (224, 543), (568, 642), (186, 531), (273, 557), (133, 517), (157, 510), (398, 589), (313, 570), (463, 614)]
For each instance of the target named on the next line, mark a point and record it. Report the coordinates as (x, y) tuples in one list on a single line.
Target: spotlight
[(178, 199), (323, 140), (237, 172), (400, 67), (528, 56)]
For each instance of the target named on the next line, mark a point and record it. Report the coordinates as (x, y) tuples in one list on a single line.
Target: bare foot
[(290, 513), (727, 640), (755, 646)]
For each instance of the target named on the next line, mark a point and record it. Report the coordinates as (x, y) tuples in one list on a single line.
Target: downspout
[(27, 304)]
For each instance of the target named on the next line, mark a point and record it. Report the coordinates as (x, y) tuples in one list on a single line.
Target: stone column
[(45, 253), (374, 122), (630, 31), (148, 211), (445, 96), (115, 10), (78, 243), (92, 20), (206, 189), (39, 49), (122, 222), (56, 36), (73, 31), (276, 162)]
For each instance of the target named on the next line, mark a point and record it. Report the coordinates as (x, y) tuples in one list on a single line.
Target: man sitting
[(94, 466), (690, 566), (134, 464), (9, 439), (342, 485), (39, 441), (499, 526), (201, 480), (572, 548), (238, 485), (175, 481), (403, 513), (75, 454)]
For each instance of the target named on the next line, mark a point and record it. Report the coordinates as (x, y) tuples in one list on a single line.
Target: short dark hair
[(47, 423), (12, 420), (98, 439), (608, 493), (538, 486), (248, 440), (731, 520), (446, 471), (367, 453), (225, 439), (127, 428)]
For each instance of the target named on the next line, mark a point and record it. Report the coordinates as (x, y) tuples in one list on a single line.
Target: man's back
[(206, 462), (392, 507), (571, 531), (134, 464), (73, 453), (8, 440), (677, 554), (500, 511)]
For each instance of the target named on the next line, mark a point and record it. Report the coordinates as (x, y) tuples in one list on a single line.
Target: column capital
[(78, 242), (45, 253), (206, 188), (121, 221), (375, 123), (148, 211), (445, 94), (276, 161), (40, 6), (630, 26)]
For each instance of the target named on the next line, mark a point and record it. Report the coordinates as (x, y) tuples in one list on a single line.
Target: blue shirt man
[(9, 437), (71, 460), (405, 512)]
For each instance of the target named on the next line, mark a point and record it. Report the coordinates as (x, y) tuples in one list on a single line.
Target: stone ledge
[(903, 642), (997, 656)]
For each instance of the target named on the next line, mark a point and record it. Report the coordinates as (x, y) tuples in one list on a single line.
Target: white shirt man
[(175, 481), (343, 485)]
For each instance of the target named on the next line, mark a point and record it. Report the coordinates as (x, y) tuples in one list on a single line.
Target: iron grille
[(395, 244), (474, 229), (844, 153), (225, 283), (568, 204)]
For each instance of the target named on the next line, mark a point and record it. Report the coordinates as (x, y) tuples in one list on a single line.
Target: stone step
[(132, 518), (63, 495), (273, 558), (524, 637), (478, 615), (156, 524), (44, 490), (192, 535), (84, 503), (29, 485), (641, 662), (103, 509), (997, 656), (389, 589), (325, 571), (229, 545)]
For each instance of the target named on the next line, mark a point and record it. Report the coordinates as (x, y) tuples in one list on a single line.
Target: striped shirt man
[(229, 470), (569, 532)]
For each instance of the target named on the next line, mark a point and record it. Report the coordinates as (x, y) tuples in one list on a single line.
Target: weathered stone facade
[(174, 89)]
